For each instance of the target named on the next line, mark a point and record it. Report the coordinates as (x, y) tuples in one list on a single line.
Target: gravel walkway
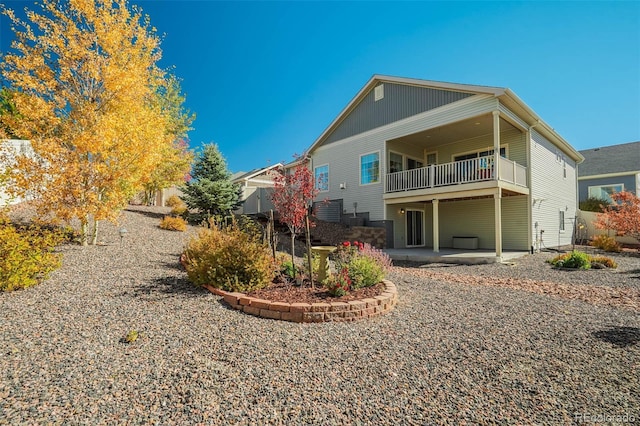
[(450, 352)]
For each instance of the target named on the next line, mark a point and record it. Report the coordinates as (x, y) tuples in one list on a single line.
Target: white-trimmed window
[(400, 162), (603, 192), (561, 220), (370, 168), (321, 174), (396, 162), (432, 158), (478, 154)]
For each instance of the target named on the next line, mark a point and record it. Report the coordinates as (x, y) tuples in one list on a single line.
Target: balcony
[(456, 173)]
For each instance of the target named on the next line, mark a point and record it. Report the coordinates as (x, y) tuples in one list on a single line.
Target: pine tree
[(210, 191)]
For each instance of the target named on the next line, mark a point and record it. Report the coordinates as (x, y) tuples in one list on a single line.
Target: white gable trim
[(412, 119), (609, 175)]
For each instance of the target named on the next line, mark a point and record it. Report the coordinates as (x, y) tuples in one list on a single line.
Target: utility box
[(465, 243)]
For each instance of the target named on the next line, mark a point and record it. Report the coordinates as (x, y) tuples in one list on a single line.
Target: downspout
[(530, 209)]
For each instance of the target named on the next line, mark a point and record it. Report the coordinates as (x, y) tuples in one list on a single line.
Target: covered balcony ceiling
[(454, 132)]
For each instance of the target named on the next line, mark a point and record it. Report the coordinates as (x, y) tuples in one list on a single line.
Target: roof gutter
[(545, 127)]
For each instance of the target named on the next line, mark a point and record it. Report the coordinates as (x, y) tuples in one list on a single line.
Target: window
[(561, 220), (414, 164), (395, 162), (603, 192), (487, 153), (370, 168), (564, 168), (432, 158), (322, 178)]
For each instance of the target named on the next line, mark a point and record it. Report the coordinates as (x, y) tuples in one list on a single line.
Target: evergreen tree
[(210, 190)]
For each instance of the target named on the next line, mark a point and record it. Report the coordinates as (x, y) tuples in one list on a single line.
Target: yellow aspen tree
[(89, 96)]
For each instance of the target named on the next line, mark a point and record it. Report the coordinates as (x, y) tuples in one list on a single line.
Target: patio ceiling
[(474, 127)]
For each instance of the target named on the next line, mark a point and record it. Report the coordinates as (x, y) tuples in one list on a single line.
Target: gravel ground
[(451, 352)]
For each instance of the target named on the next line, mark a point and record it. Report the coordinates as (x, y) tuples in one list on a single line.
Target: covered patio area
[(447, 255)]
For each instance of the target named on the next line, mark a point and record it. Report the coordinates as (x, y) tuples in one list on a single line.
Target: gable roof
[(506, 96), (241, 177), (611, 159)]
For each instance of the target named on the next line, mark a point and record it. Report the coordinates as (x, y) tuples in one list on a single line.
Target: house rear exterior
[(447, 165)]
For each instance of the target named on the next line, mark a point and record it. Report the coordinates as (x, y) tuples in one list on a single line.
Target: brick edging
[(312, 312)]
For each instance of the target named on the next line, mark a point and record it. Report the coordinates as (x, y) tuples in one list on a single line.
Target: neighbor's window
[(322, 178), (603, 192), (561, 220), (370, 168)]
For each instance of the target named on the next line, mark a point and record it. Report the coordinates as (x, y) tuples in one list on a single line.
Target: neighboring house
[(256, 189), (8, 149), (609, 169), (606, 170), (447, 165)]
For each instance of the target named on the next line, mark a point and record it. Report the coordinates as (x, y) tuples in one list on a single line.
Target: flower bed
[(313, 312)]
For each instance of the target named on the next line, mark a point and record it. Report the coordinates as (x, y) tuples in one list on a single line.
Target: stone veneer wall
[(368, 234), (314, 312)]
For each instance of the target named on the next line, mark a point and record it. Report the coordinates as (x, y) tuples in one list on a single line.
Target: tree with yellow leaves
[(91, 98)]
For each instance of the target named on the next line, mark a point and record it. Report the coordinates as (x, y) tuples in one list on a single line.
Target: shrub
[(606, 243), (593, 204), (175, 201), (377, 255), (179, 210), (604, 261), (26, 255), (315, 263), (364, 271), (171, 223), (286, 269), (574, 260), (580, 260), (365, 264), (338, 284), (226, 257)]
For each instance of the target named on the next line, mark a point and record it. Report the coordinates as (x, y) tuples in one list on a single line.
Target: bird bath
[(323, 252)]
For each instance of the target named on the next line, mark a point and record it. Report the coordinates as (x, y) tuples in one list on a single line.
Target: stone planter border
[(312, 312)]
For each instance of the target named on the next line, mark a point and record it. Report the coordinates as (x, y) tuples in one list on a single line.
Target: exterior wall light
[(401, 211)]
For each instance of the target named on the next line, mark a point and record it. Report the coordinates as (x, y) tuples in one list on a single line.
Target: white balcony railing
[(457, 172)]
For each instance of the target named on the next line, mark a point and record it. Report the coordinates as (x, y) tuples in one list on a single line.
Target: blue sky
[(266, 78)]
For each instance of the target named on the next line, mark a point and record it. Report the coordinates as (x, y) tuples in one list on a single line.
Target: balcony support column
[(496, 144), (436, 226), (497, 198)]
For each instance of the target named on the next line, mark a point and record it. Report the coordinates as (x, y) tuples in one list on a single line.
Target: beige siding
[(551, 192), (467, 218), (514, 223), (343, 156), (513, 139), (399, 222)]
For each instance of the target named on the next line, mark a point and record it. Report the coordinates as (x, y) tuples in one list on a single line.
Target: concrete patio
[(447, 255)]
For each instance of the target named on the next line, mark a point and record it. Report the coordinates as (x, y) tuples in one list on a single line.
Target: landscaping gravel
[(451, 352)]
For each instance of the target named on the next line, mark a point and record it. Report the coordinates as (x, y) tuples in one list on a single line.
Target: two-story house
[(447, 165)]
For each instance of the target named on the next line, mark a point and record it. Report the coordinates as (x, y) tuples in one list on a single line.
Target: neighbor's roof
[(611, 159), (247, 176), (507, 97)]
